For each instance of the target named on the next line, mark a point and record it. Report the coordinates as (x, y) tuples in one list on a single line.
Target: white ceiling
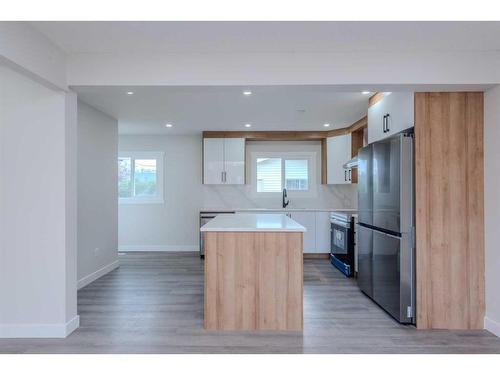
[(175, 37), (194, 109)]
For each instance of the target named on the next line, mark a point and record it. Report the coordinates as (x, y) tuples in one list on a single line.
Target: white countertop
[(251, 222), (277, 209)]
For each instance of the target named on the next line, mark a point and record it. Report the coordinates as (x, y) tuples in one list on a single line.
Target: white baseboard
[(18, 331), (492, 326), (125, 248), (84, 281)]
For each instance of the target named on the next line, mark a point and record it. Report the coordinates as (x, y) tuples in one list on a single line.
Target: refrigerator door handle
[(375, 229)]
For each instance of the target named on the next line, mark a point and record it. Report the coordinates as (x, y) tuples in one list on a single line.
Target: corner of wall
[(492, 326)]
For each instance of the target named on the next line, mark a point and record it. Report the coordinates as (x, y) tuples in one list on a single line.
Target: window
[(296, 174), (140, 177), (275, 173), (268, 175)]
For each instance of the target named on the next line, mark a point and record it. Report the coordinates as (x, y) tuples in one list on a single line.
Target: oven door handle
[(340, 223)]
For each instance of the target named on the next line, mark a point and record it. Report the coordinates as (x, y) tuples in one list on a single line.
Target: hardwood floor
[(153, 303)]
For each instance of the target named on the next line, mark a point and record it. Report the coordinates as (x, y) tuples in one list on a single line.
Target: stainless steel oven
[(342, 242)]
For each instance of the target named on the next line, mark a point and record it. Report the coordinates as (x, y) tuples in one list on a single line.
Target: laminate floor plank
[(153, 303)]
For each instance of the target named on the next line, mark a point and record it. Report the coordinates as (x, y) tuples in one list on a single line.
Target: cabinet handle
[(345, 175), (384, 124), (350, 177), (225, 176), (222, 177)]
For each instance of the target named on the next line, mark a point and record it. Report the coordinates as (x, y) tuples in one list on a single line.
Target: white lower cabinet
[(322, 232), (308, 220), (317, 223)]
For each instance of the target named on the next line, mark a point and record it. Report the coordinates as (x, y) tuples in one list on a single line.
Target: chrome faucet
[(284, 200)]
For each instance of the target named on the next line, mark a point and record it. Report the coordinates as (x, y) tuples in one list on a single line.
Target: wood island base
[(253, 281)]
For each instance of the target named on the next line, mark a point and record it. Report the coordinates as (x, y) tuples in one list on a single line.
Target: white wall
[(368, 70), (97, 194), (31, 52), (37, 209), (245, 196), (174, 225), (71, 202), (492, 207)]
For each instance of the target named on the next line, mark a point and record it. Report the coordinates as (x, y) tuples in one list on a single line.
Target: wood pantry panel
[(253, 281), (449, 210)]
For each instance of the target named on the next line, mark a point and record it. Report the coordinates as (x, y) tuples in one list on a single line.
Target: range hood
[(353, 163)]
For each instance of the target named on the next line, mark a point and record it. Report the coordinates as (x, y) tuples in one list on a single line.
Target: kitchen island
[(253, 272)]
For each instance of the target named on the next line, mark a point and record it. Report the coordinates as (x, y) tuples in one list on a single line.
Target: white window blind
[(268, 175), (273, 174), (296, 174)]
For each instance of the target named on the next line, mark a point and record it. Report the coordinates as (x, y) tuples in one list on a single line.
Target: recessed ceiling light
[(247, 92), (365, 92), (168, 125), (326, 125), (130, 93), (248, 125)]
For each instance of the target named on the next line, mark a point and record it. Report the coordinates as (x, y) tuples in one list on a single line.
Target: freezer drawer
[(392, 275), (365, 259)]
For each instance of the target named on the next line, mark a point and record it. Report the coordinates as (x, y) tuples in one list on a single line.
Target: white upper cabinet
[(213, 160), (390, 115), (234, 160), (224, 161), (338, 151)]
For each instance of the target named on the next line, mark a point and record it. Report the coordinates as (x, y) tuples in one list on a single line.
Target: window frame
[(285, 155), (159, 156)]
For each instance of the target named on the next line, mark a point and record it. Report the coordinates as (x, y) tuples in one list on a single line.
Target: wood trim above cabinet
[(356, 144), (324, 166), (358, 125), (375, 98), (355, 129), (268, 135), (288, 135)]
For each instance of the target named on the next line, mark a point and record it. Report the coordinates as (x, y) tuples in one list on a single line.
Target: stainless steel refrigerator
[(386, 229)]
